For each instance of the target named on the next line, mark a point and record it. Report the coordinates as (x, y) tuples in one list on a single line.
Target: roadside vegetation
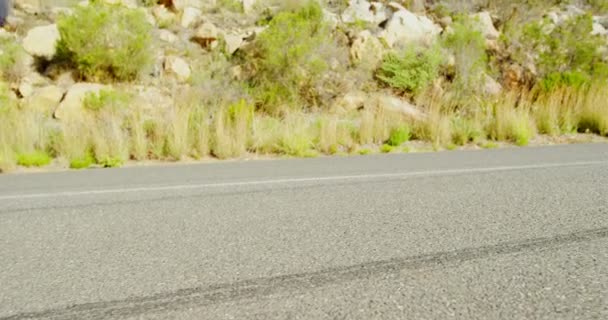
[(291, 77)]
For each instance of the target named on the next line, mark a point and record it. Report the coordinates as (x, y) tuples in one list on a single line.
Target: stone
[(190, 17), (490, 86), (178, 67), (405, 28), (152, 101), (603, 20), (248, 6), (45, 99), (351, 101), (485, 25), (395, 104), (233, 43), (163, 16), (363, 10), (42, 41), (598, 29), (71, 105), (167, 36), (367, 50), (30, 6)]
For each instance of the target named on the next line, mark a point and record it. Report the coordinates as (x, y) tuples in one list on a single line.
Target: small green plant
[(82, 163), (411, 71), (105, 99), (386, 148), (399, 136), (464, 131), (33, 159), (106, 42), (231, 5), (365, 152)]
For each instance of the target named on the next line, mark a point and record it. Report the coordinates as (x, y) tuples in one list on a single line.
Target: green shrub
[(468, 46), (33, 159), (568, 53), (399, 136), (411, 71), (385, 148), (105, 99), (12, 60), (106, 42), (287, 60), (82, 163)]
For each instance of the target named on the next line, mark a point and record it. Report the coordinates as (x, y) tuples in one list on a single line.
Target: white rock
[(367, 50), (485, 25), (190, 17), (42, 41), (405, 28), (491, 86), (163, 16), (167, 36), (598, 29), (71, 106), (207, 31), (178, 67), (394, 104), (363, 10), (233, 42), (45, 99), (248, 5)]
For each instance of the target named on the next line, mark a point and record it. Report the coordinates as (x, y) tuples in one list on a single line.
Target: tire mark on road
[(210, 295)]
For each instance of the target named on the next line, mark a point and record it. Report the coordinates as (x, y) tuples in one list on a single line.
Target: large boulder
[(42, 41), (485, 25), (367, 50), (71, 105), (363, 10), (45, 99), (179, 67), (190, 17), (405, 28)]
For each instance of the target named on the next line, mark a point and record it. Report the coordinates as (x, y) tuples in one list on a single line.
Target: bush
[(399, 136), (468, 46), (568, 53), (287, 60), (105, 42), (33, 159), (12, 60), (412, 71)]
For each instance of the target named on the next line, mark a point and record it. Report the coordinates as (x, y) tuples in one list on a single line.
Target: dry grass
[(192, 129)]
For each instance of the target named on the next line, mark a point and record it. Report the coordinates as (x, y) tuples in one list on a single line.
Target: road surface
[(510, 234)]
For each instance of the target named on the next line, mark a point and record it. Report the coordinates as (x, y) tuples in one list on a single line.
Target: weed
[(385, 148), (33, 159), (399, 136)]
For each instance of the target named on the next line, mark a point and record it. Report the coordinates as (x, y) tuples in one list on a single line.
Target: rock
[(45, 100), (367, 50), (446, 21), (603, 20), (351, 101), (485, 25), (29, 83), (248, 6), (394, 104), (405, 28), (152, 101), (233, 43), (30, 6), (190, 17), (42, 41), (71, 105), (363, 10), (206, 35), (598, 29), (178, 67), (490, 86), (163, 16), (167, 36)]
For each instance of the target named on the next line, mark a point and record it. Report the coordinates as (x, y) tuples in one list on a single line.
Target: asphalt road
[(510, 234)]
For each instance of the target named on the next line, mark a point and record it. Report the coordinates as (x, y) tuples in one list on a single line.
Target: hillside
[(102, 83)]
